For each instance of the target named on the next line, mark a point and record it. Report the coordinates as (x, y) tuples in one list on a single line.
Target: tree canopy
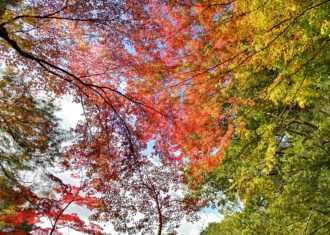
[(185, 104)]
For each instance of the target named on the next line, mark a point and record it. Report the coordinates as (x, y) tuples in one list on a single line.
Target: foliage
[(156, 186), (235, 94), (29, 139), (277, 165), (80, 48)]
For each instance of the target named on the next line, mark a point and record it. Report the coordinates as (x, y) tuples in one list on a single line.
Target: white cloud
[(70, 112)]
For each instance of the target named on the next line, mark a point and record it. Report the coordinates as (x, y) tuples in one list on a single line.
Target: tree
[(185, 71), (147, 200), (276, 166), (92, 64), (81, 48), (228, 89), (244, 79), (30, 146), (30, 140)]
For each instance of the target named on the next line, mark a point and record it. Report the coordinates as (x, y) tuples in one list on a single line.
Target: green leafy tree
[(274, 177)]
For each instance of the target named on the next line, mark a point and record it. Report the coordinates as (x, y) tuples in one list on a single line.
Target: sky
[(70, 114)]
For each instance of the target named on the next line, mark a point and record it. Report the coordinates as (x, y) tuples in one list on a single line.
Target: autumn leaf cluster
[(185, 104)]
